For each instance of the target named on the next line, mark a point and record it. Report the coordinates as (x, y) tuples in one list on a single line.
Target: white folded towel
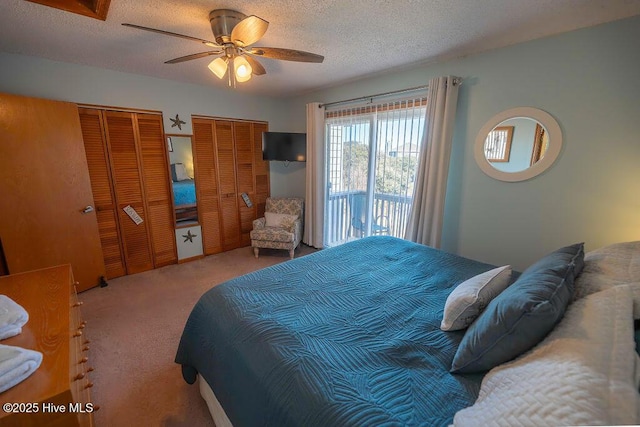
[(12, 317), (16, 364)]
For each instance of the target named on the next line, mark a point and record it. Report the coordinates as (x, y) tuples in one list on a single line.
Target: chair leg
[(291, 252), (256, 251)]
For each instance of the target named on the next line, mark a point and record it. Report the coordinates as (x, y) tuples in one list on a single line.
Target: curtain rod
[(393, 92)]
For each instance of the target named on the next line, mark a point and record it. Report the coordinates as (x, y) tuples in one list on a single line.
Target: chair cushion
[(279, 219), (273, 234)]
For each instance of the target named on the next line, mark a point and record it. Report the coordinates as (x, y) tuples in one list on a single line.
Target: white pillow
[(470, 297), (279, 220)]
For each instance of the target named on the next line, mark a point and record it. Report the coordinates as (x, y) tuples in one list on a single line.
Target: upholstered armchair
[(281, 226)]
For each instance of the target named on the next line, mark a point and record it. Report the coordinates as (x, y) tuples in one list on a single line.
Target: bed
[(351, 336), (184, 197), (184, 192)]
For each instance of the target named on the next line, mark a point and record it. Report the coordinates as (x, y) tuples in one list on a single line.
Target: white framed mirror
[(518, 144)]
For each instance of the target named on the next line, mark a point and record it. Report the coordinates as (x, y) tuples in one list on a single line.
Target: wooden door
[(229, 215), (128, 189), (205, 166), (45, 186), (158, 199), (95, 146)]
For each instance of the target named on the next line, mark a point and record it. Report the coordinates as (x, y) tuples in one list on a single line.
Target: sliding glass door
[(372, 158)]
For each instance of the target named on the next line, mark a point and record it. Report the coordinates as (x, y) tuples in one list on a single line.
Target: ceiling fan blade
[(286, 54), (249, 30), (256, 67), (169, 33), (193, 56)]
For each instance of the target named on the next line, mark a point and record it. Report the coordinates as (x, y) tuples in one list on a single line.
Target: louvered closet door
[(156, 189), (229, 216), (206, 176), (104, 202), (127, 183), (245, 178), (260, 169)]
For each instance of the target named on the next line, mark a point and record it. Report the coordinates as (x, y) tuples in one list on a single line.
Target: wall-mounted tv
[(284, 146)]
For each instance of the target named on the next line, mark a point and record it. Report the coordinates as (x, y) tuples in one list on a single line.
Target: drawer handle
[(77, 304), (85, 348), (89, 384), (83, 360), (79, 376), (81, 326), (90, 369), (86, 342), (77, 333)]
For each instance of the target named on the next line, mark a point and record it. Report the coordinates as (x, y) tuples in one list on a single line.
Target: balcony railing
[(390, 215)]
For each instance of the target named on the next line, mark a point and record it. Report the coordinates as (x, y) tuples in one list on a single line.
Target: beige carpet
[(135, 324)]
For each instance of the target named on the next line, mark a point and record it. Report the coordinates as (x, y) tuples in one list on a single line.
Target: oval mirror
[(518, 144), (182, 179)]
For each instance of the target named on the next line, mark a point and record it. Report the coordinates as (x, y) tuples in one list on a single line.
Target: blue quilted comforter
[(184, 192), (347, 336)]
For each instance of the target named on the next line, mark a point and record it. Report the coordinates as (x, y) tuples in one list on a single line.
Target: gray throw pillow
[(470, 297)]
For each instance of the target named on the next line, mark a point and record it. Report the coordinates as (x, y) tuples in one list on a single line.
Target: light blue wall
[(589, 80)]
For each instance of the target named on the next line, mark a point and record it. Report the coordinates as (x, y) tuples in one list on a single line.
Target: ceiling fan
[(234, 33)]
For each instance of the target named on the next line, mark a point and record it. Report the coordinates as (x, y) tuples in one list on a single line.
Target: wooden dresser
[(56, 329)]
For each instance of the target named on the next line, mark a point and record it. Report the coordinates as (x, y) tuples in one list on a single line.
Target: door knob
[(87, 209)]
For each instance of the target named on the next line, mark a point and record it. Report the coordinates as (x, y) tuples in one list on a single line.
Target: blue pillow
[(521, 315)]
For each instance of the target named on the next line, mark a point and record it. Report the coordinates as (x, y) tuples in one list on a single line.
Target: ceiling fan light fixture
[(242, 69), (219, 67)]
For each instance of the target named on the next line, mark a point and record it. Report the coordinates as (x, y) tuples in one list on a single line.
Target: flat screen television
[(284, 146)]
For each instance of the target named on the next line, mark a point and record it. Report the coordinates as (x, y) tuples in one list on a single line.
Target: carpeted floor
[(135, 324)]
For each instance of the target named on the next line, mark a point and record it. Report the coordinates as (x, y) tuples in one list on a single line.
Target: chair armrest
[(296, 229), (259, 223)]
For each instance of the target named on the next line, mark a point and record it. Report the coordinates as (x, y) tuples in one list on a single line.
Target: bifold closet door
[(103, 198), (206, 175), (260, 169), (229, 214), (245, 178), (129, 170), (155, 170), (128, 189), (228, 162)]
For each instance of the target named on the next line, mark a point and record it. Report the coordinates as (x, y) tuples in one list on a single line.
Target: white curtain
[(314, 203), (427, 212)]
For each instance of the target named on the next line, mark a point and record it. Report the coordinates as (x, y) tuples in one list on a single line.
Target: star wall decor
[(189, 236), (177, 122)]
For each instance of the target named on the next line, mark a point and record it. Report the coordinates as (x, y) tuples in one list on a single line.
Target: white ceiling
[(356, 37)]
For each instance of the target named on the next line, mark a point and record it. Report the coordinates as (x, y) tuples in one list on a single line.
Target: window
[(497, 146), (372, 160)]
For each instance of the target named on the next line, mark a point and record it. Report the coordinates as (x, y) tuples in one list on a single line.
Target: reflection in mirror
[(184, 189), (516, 144)]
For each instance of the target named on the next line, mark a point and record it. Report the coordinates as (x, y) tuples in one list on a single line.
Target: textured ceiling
[(356, 37)]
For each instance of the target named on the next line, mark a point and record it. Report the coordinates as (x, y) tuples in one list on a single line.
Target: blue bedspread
[(347, 336), (184, 192)]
